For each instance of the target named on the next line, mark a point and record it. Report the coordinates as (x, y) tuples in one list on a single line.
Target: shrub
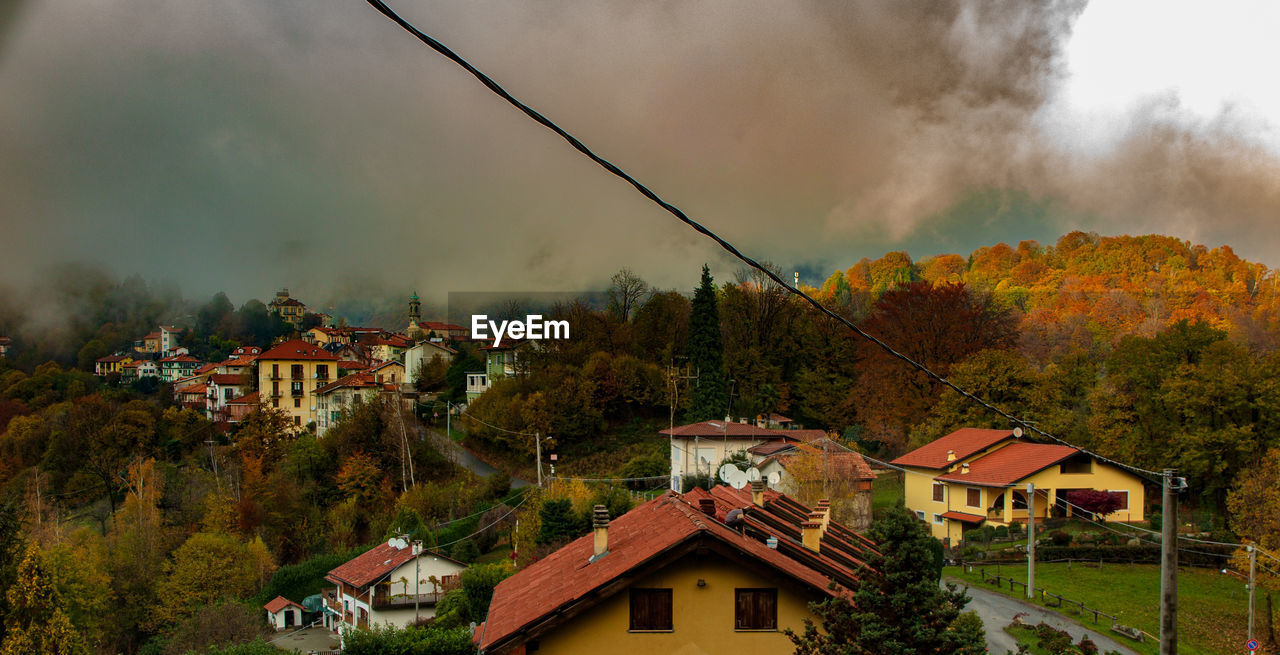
[(1154, 521), (1086, 646), (1052, 639), (1060, 538), (465, 551), (1002, 532), (975, 536), (1015, 529)]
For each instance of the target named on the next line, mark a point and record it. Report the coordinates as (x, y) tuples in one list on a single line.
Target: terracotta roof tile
[(734, 429), (297, 349), (355, 380), (228, 379), (247, 399), (377, 562), (280, 602), (1010, 464), (961, 516), (965, 442)]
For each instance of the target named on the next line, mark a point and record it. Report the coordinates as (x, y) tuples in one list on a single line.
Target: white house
[(421, 355), (221, 388), (283, 613), (698, 448), (344, 393), (394, 583)]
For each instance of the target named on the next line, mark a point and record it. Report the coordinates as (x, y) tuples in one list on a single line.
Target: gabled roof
[(352, 365), (243, 351), (180, 359), (381, 365), (770, 448), (965, 442), (296, 349), (170, 328), (376, 562), (207, 368), (192, 389), (111, 358), (280, 602), (639, 541), (1010, 464), (226, 379), (153, 335), (247, 399), (355, 380)]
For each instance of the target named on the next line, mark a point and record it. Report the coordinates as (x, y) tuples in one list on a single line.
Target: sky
[(244, 146)]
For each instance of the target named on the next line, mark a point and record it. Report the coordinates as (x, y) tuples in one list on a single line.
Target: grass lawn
[(886, 491), (1212, 607)]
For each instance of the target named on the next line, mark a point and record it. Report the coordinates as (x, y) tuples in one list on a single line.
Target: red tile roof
[(1010, 464), (180, 358), (642, 538), (769, 448), (206, 369), (961, 516), (850, 466), (280, 602), (965, 442), (110, 358), (377, 562), (246, 350), (192, 389), (228, 379), (351, 365), (355, 380), (296, 349)]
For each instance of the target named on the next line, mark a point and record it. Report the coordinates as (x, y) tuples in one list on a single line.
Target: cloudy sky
[(242, 145)]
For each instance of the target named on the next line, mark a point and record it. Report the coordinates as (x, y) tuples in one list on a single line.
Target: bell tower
[(415, 315)]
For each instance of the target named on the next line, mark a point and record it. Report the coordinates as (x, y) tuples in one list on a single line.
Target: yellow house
[(671, 576), (975, 476), (111, 364), (290, 373)]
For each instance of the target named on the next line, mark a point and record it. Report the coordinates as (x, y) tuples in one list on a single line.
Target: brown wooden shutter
[(755, 609), (651, 609)]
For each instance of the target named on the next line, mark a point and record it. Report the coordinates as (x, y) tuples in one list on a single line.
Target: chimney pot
[(707, 505), (757, 492), (811, 534), (600, 525), (951, 455), (964, 469)]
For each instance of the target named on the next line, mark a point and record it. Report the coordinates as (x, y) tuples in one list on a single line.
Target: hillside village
[(310, 484)]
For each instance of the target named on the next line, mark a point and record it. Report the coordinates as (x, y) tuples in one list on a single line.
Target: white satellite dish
[(775, 478), (1017, 432), (396, 543), (727, 471), (737, 479), (753, 474)]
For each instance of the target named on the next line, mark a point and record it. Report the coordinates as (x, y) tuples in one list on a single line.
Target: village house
[(975, 476), (499, 362), (840, 468), (388, 372), (178, 367), (699, 448), (719, 571), (387, 348), (104, 366), (247, 353), (239, 408), (323, 336), (288, 309), (283, 613), (191, 395), (343, 394), (290, 373), (395, 583), (423, 354), (169, 336), (221, 388), (5, 344)]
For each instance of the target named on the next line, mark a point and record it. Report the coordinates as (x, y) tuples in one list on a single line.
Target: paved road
[(463, 457), (997, 611)]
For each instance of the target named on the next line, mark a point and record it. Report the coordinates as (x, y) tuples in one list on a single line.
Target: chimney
[(951, 455), (824, 507), (708, 506), (757, 493), (600, 526), (811, 534), (964, 469)]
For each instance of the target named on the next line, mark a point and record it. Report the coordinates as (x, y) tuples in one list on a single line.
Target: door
[(288, 618)]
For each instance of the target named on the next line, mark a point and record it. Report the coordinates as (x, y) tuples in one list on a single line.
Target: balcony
[(404, 601)]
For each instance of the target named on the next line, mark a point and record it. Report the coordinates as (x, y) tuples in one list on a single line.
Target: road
[(463, 457), (997, 611)]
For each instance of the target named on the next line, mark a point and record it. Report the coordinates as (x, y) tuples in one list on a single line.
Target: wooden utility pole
[(1169, 569), (537, 441), (1031, 539)]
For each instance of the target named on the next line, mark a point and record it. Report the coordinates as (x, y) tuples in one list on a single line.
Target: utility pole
[(1031, 539), (1169, 569), (1253, 563), (537, 440)]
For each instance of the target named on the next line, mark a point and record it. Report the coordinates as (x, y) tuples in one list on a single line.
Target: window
[(973, 497), (297, 420), (275, 370), (228, 394), (650, 609), (322, 371), (938, 520), (296, 389), (297, 402), (295, 372), (920, 514), (275, 402), (1124, 499), (938, 491), (755, 609)]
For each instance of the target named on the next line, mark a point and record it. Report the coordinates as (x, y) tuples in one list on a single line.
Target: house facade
[(976, 476), (283, 613), (698, 448), (290, 310), (105, 366), (340, 395), (422, 355), (177, 367), (220, 389), (673, 576), (288, 376), (394, 583)]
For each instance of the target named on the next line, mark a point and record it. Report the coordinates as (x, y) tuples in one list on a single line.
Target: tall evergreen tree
[(901, 609), (706, 354)]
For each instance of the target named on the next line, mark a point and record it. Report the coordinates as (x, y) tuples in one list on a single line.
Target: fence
[(1060, 601)]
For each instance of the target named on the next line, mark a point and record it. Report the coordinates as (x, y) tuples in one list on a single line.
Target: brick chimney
[(600, 527), (757, 492), (811, 534), (707, 505)]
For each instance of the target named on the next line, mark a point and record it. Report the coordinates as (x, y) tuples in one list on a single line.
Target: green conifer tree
[(706, 354)]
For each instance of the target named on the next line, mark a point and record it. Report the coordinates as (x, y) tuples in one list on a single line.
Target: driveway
[(997, 611), (306, 640)]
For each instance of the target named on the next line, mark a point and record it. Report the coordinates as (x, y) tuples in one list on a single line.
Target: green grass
[(886, 492), (1212, 607)]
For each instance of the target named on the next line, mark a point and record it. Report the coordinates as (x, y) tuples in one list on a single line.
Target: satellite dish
[(737, 479), (775, 478), (1017, 432), (753, 474), (727, 471)]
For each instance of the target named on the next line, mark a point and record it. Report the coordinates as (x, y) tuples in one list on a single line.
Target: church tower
[(415, 316)]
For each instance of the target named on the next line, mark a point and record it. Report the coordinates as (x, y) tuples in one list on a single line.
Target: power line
[(730, 248), (492, 426)]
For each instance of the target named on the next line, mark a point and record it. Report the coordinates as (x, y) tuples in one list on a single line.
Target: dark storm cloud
[(245, 146)]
